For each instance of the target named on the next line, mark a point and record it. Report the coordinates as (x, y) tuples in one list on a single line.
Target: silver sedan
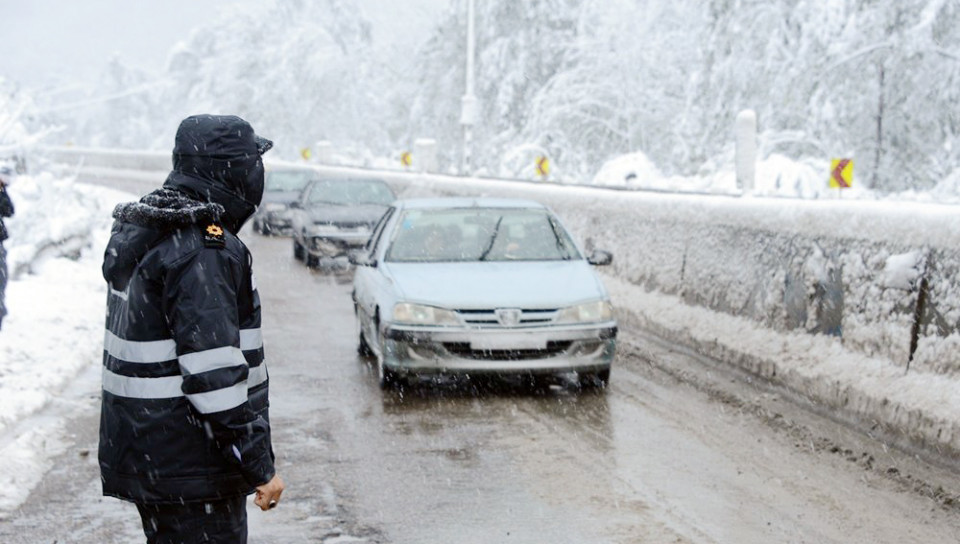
[(481, 286)]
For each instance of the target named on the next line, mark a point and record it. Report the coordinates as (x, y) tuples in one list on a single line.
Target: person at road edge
[(184, 425), (6, 210)]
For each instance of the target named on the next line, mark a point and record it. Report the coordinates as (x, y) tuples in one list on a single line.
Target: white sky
[(46, 41), (57, 42)]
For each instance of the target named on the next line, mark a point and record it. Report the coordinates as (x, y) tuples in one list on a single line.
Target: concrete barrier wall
[(883, 277)]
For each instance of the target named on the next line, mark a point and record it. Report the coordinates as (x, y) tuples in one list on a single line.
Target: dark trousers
[(215, 522)]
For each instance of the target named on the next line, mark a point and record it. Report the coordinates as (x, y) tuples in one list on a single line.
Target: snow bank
[(54, 330), (776, 176)]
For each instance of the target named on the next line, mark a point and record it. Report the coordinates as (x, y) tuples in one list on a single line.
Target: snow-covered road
[(708, 458)]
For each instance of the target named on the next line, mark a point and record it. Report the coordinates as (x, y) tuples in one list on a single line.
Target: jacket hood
[(141, 225), (217, 158)]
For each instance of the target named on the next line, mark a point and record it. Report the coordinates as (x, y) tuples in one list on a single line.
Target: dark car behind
[(282, 187), (333, 216)]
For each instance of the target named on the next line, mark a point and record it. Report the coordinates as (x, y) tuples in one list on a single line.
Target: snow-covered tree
[(580, 80)]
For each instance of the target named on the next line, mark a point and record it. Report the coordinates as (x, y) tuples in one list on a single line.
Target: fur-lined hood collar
[(167, 209), (141, 225)]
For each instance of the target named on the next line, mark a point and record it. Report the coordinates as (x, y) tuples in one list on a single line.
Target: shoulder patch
[(213, 236)]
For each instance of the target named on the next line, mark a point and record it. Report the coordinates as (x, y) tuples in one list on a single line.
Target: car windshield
[(283, 181), (480, 234), (351, 191)]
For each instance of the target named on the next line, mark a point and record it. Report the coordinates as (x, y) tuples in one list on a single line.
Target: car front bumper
[(521, 350), (277, 221), (335, 245)]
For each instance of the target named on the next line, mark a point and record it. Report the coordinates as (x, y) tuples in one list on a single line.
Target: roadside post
[(746, 152), (425, 150), (324, 152)]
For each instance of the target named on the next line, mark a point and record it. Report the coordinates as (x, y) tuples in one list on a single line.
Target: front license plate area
[(507, 342)]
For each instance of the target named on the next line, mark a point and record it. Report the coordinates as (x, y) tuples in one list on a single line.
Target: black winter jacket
[(6, 210), (185, 392)]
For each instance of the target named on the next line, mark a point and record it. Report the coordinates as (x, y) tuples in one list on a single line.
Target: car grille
[(488, 318), (463, 350)]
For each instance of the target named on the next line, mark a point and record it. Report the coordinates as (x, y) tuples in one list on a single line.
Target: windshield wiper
[(496, 230), (561, 245)]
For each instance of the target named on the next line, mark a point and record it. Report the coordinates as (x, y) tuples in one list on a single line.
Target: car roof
[(461, 202)]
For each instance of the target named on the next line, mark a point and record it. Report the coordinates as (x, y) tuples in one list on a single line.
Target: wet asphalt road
[(651, 459)]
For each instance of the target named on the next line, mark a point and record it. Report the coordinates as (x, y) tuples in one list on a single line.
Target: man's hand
[(268, 494)]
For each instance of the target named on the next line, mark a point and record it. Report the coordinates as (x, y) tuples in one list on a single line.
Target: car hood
[(485, 285), (367, 214)]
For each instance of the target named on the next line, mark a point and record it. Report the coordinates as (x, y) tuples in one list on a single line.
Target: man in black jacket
[(184, 427), (6, 210)]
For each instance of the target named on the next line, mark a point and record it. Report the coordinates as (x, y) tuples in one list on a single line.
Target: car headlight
[(589, 312), (274, 207), (322, 230), (418, 314)]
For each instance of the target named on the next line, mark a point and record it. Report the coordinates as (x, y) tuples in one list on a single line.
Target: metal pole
[(469, 101)]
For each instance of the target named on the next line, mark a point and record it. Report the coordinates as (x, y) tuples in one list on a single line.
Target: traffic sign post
[(841, 174), (543, 166), (406, 159)]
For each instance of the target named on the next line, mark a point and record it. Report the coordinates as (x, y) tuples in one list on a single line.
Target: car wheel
[(387, 378), (298, 251), (363, 348), (541, 382), (312, 260), (599, 380)]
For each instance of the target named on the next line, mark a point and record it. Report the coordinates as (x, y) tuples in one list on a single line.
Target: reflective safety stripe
[(142, 388), (219, 400), (163, 388), (121, 294), (156, 351), (212, 359), (258, 375), (251, 339)]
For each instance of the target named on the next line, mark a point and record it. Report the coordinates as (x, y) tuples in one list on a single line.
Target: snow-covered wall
[(883, 276)]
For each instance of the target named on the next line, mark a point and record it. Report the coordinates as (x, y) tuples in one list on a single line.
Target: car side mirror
[(361, 258), (600, 257)]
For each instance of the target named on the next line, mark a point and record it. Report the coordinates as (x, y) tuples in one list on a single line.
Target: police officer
[(184, 427), (6, 210)]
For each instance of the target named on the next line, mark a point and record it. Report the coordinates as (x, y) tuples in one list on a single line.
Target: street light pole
[(468, 104)]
